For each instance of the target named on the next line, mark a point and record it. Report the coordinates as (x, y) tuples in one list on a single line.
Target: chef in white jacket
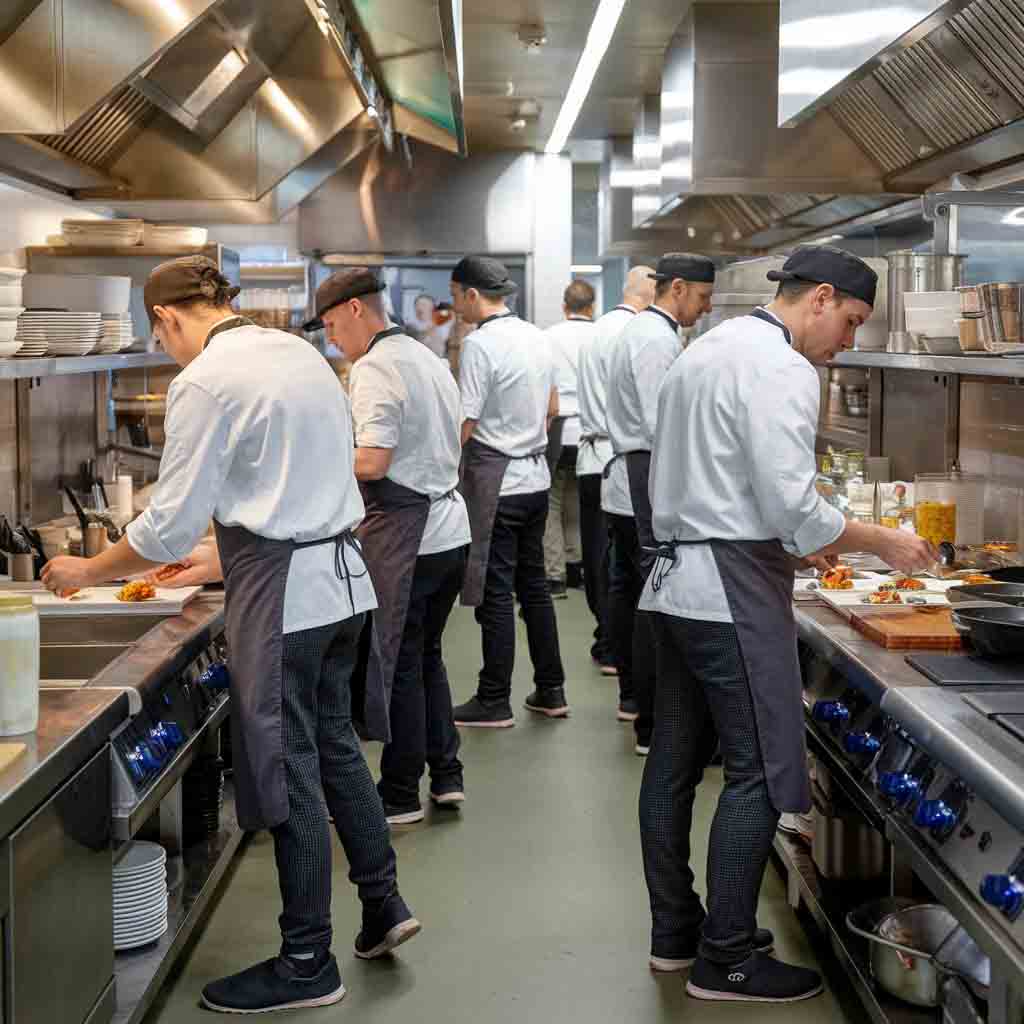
[(253, 431), (734, 508), (594, 454)]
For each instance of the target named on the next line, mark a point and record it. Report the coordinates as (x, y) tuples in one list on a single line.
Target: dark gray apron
[(638, 471), (757, 577)]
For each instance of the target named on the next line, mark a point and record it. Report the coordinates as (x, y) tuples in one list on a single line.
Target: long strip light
[(599, 38)]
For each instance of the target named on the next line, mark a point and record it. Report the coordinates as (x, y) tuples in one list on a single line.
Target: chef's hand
[(201, 566), (905, 551), (820, 562), (65, 575)]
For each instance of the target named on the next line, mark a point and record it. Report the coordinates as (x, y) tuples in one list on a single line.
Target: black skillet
[(1004, 593), (995, 632)]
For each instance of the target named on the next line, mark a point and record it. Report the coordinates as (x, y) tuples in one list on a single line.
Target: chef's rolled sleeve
[(782, 421), (475, 379), (378, 400), (194, 465)]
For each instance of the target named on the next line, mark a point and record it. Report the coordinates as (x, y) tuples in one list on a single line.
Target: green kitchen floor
[(532, 900)]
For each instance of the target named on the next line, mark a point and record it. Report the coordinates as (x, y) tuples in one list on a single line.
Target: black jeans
[(703, 698), (422, 727), (323, 759), (515, 564), (595, 544), (629, 629)]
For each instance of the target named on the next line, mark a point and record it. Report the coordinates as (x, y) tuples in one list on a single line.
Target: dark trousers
[(630, 629), (515, 564), (323, 759), (422, 727), (594, 543), (704, 697)]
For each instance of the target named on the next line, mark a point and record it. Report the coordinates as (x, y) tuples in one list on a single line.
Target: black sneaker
[(628, 711), (406, 815), (609, 670), (759, 979), (385, 928), (764, 942), (574, 575), (558, 590), (485, 714), (549, 701), (451, 798), (277, 984)]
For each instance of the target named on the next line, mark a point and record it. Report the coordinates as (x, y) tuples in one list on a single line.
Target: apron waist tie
[(344, 540), (665, 555)]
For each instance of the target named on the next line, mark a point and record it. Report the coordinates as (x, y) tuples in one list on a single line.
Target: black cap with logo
[(684, 266), (825, 264), (485, 275), (350, 283)]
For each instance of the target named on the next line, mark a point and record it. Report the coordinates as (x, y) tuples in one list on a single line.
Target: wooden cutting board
[(103, 601), (908, 629)]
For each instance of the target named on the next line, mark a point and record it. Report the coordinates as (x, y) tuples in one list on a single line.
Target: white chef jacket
[(734, 460), (566, 339), (257, 435), (506, 376), (640, 358), (594, 356), (405, 398)]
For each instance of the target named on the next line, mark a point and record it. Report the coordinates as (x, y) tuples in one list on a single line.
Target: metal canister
[(916, 272)]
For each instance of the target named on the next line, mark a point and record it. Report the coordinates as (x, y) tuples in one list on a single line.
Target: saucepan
[(995, 631), (915, 947)]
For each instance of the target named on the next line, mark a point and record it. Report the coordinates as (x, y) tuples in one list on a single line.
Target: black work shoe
[(405, 815), (574, 575), (759, 979), (764, 942), (485, 714), (628, 711), (549, 701), (385, 927), (558, 590), (276, 984)]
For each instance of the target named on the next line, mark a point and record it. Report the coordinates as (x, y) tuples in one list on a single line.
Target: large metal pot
[(916, 272), (914, 948)]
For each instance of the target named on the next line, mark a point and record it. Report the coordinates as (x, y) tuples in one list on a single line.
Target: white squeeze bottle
[(19, 665)]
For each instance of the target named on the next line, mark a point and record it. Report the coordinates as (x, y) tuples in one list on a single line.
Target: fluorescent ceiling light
[(586, 268), (602, 28)]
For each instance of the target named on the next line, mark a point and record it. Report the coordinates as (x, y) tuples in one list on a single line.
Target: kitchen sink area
[(74, 649)]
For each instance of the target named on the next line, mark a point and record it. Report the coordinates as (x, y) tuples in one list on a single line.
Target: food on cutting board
[(883, 596), (838, 578), (977, 579), (1000, 547), (137, 591), (166, 572)]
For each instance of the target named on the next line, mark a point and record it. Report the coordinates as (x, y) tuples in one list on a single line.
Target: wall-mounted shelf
[(975, 366), (20, 369)]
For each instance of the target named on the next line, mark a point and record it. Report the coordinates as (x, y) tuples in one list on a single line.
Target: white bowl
[(9, 348), (932, 300), (8, 330), (934, 323), (11, 275), (11, 313), (79, 293), (10, 294), (173, 234)]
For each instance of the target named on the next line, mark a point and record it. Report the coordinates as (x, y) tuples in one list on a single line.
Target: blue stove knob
[(133, 758), (861, 743), (935, 815), (216, 677), (167, 736), (833, 712), (1004, 893), (900, 787), (150, 757)]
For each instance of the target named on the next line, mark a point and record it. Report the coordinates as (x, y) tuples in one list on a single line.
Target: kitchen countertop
[(73, 725)]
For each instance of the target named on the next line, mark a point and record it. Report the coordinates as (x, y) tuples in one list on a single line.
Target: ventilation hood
[(726, 166), (234, 111), (928, 90)]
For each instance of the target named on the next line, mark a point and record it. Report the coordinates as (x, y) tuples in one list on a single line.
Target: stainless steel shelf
[(843, 436), (20, 369), (978, 366)]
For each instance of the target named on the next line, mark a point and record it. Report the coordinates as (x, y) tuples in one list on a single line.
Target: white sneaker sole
[(641, 751), (300, 1004), (408, 818), (608, 670), (399, 934), (504, 724), (448, 799), (734, 997), (562, 712), (662, 966), (626, 716)]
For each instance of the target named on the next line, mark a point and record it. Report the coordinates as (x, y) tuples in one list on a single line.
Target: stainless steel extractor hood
[(724, 160), (944, 96)]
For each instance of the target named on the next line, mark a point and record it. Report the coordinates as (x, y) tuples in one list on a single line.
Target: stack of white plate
[(58, 332), (102, 232), (157, 235), (140, 896), (118, 333)]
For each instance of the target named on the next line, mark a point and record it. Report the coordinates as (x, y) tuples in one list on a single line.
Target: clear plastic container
[(950, 507), (19, 665)]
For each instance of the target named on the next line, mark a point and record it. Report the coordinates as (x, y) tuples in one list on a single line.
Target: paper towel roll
[(124, 497)]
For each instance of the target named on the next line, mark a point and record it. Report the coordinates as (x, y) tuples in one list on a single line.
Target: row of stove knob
[(1005, 892), (147, 757)]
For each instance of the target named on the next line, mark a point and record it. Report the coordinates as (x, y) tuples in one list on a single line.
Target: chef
[(641, 356), (562, 534), (735, 505), (594, 453), (252, 429), (509, 397), (415, 537)]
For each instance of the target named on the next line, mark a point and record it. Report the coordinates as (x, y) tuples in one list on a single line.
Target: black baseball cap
[(182, 279), (346, 284), (684, 266), (825, 264), (485, 274)]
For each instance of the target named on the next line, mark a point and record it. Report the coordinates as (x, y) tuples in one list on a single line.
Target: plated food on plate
[(838, 578), (137, 591), (903, 583), (886, 594), (977, 579)]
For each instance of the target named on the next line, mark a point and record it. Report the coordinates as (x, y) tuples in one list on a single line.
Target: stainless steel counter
[(73, 726)]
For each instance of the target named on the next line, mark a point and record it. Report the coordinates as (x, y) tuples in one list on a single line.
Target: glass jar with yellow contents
[(936, 521)]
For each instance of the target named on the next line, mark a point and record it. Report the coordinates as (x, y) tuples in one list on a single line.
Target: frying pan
[(995, 632), (1005, 593)]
